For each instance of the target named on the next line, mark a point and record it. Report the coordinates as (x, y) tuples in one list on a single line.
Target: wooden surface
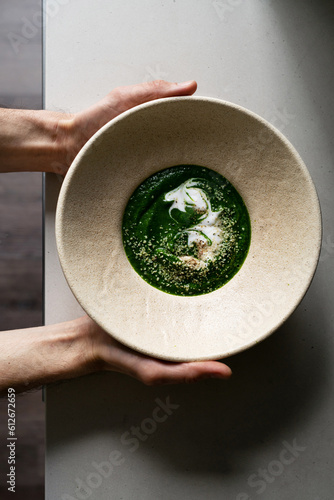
[(21, 246), (21, 306), (20, 250)]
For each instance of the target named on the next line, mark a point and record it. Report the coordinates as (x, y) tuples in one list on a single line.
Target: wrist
[(72, 133), (73, 341), (67, 143), (35, 356)]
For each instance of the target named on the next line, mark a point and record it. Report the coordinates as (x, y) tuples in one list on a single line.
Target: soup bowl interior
[(274, 184)]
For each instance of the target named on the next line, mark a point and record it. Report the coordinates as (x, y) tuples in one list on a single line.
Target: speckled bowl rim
[(315, 208)]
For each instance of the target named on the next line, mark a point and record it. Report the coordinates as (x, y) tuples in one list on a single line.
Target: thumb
[(123, 98)]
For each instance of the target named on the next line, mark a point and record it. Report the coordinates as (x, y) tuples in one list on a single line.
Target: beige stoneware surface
[(269, 175)]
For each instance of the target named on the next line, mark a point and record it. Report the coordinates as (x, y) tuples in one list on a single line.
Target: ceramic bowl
[(274, 184)]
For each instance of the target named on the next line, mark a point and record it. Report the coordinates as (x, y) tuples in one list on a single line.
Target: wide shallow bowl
[(276, 188)]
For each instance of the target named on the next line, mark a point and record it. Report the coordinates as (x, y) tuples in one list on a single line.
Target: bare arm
[(47, 141), (29, 140), (42, 355)]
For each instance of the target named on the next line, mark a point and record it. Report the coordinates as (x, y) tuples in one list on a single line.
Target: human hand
[(62, 351), (108, 354), (48, 141), (73, 131)]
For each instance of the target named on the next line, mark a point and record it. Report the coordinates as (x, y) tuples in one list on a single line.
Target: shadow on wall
[(216, 423)]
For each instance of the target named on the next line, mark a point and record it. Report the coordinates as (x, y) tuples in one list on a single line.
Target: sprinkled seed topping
[(186, 230)]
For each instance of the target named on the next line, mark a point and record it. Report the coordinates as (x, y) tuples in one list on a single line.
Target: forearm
[(35, 141), (35, 356)]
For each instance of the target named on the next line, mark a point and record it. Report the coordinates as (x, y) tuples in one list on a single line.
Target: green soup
[(186, 230)]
